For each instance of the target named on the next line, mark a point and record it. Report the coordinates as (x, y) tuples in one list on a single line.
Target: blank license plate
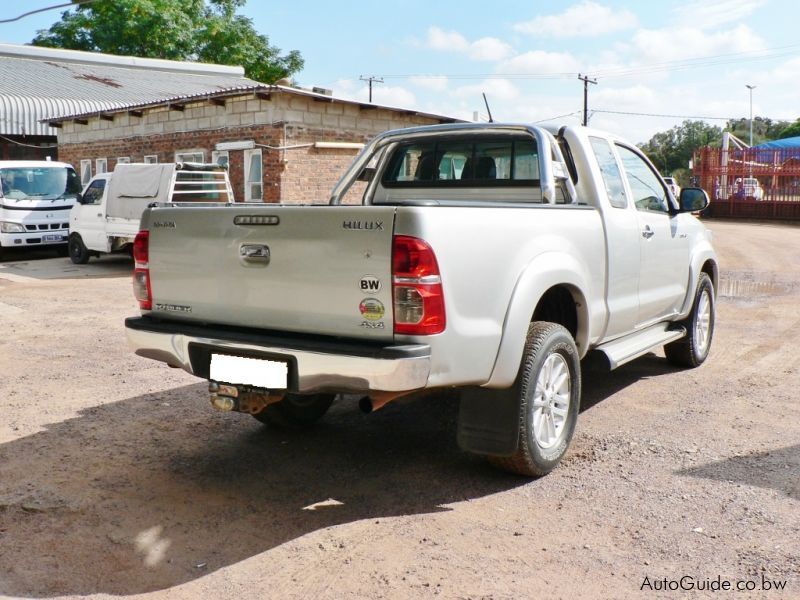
[(269, 374), (53, 237)]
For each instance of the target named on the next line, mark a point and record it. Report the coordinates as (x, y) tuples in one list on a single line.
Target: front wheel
[(692, 350), (548, 387), (296, 411), (78, 252)]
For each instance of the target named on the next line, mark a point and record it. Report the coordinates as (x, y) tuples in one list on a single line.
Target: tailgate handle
[(256, 253)]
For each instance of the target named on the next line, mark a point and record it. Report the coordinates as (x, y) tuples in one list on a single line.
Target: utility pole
[(371, 79), (751, 88), (586, 81)]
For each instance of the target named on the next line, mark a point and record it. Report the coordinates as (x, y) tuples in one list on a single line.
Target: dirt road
[(117, 477)]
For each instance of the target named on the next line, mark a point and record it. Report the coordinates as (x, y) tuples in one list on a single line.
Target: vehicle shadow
[(151, 492), (599, 384), (776, 470), (41, 265)]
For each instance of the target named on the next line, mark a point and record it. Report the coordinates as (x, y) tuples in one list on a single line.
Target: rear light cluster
[(141, 271), (416, 288)]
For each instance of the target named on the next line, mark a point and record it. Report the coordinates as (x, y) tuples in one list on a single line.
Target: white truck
[(490, 258), (107, 214), (35, 199)]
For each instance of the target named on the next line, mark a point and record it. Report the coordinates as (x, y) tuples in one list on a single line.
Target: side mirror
[(693, 199), (79, 198)]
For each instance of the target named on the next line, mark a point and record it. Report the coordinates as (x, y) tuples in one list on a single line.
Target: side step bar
[(625, 349)]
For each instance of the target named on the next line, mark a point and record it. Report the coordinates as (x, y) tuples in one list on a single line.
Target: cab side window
[(648, 193), (609, 169), (94, 192)]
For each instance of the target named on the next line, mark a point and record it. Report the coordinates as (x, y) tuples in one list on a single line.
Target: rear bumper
[(315, 364)]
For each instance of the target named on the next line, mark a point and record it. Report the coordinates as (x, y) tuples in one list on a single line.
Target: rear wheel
[(549, 392), (78, 252), (296, 411), (692, 350)]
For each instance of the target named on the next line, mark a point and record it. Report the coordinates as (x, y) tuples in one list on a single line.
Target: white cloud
[(487, 48), (539, 61), (449, 41), (707, 14), (388, 95), (495, 90), (437, 83), (580, 20), (635, 97), (663, 45)]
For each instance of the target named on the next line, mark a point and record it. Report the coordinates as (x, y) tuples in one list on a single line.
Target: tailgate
[(310, 269)]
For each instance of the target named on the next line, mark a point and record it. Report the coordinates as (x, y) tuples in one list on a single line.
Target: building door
[(253, 176)]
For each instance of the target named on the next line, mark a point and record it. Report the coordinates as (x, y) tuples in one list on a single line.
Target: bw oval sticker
[(369, 284), (371, 309)]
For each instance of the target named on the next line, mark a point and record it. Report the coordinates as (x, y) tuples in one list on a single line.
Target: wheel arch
[(552, 288)]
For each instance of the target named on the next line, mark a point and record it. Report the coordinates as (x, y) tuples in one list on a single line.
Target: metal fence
[(754, 183)]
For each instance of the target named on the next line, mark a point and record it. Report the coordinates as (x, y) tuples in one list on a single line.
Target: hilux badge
[(363, 225)]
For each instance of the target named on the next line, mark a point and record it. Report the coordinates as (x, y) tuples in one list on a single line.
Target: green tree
[(764, 128), (672, 150), (792, 130), (199, 30)]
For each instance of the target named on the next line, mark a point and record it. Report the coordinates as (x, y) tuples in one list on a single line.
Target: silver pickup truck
[(490, 258)]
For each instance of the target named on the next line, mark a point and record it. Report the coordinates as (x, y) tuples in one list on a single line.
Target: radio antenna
[(488, 110)]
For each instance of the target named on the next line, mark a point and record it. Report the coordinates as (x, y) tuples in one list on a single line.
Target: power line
[(573, 113), (631, 71), (639, 114), (45, 9)]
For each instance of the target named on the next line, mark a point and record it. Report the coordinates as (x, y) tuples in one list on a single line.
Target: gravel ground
[(117, 478)]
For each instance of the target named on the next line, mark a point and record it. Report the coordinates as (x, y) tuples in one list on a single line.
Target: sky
[(683, 59)]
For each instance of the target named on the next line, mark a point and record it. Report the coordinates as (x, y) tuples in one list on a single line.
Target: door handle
[(648, 233), (255, 253)]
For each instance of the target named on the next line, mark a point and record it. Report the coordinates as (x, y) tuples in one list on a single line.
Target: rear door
[(323, 270)]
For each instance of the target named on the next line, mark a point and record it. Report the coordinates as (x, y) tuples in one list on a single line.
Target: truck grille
[(47, 226)]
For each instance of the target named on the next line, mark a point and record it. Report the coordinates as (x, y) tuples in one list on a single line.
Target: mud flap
[(488, 421)]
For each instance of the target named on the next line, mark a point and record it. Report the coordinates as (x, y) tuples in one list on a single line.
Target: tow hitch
[(241, 398)]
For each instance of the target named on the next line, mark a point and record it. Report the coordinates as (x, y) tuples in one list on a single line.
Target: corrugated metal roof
[(38, 84), (256, 87)]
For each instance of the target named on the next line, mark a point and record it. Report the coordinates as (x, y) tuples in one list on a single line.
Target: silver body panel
[(497, 258)]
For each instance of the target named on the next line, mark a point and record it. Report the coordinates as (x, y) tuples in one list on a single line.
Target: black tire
[(692, 350), (296, 411), (78, 253), (532, 458)]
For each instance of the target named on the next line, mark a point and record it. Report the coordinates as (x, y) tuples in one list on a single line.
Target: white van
[(35, 199), (106, 217)]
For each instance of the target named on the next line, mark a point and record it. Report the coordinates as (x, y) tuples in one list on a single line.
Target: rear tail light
[(417, 288), (141, 272)]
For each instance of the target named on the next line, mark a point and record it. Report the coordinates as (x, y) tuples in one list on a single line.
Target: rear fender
[(542, 273)]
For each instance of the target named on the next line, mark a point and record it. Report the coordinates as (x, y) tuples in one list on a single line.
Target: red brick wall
[(310, 173), (165, 145)]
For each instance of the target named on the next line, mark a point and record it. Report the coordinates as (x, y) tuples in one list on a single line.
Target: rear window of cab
[(463, 162)]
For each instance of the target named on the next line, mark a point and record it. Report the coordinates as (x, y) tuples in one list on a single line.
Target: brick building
[(42, 83), (281, 144)]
